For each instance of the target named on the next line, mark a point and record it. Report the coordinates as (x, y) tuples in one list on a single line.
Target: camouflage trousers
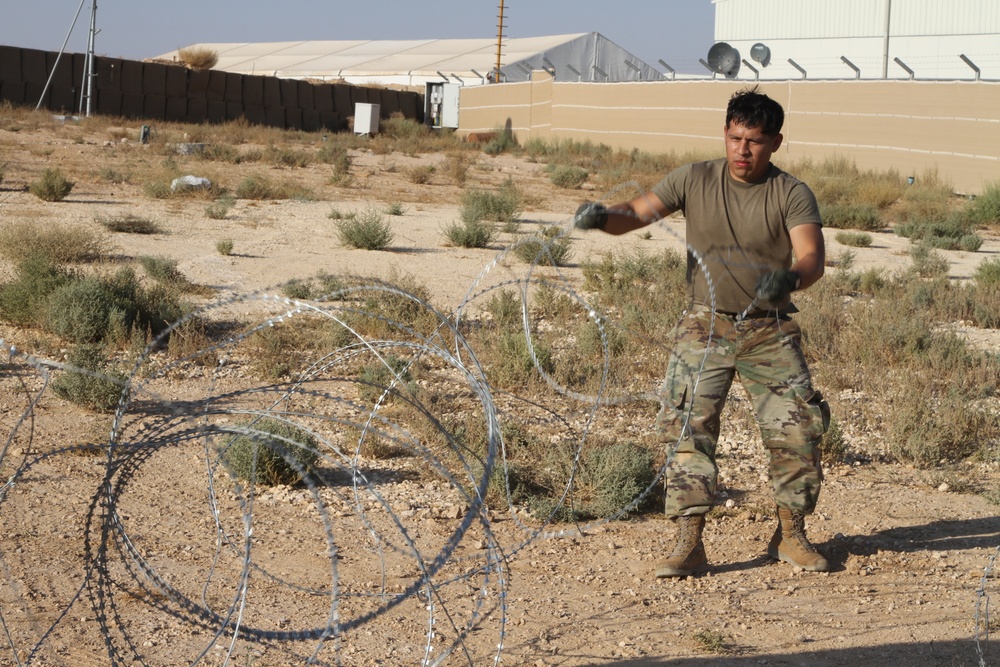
[(766, 355)]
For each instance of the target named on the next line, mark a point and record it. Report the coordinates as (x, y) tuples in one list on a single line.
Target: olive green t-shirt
[(738, 230)]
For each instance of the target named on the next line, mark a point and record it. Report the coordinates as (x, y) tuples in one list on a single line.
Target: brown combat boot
[(790, 544), (688, 555)]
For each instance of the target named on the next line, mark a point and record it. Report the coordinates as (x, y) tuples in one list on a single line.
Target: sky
[(676, 31)]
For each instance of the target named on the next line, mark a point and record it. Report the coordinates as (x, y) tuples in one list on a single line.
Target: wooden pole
[(496, 72)]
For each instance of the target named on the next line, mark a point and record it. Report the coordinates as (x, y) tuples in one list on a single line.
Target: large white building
[(867, 39)]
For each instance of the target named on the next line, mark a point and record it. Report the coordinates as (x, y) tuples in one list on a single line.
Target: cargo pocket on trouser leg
[(795, 452)]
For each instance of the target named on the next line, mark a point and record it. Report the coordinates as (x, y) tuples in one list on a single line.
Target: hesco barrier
[(952, 127), (156, 91)]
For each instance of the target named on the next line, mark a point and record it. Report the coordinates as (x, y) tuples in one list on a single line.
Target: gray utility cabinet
[(441, 104)]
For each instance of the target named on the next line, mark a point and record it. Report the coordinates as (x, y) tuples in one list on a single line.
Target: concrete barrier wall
[(155, 91), (910, 126)]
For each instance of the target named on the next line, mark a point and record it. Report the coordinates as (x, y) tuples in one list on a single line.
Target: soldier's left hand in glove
[(774, 288)]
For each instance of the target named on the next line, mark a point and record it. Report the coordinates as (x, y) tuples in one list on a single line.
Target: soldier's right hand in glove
[(591, 215)]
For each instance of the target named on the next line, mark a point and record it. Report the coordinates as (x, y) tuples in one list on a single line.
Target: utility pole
[(885, 41), (496, 72), (89, 88)]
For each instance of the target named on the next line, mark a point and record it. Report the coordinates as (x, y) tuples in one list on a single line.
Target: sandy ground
[(149, 580)]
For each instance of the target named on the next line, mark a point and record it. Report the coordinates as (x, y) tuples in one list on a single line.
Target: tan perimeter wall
[(911, 126)]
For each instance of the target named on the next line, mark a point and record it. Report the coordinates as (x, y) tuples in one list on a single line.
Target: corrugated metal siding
[(820, 19), (792, 19), (954, 17), (927, 35)]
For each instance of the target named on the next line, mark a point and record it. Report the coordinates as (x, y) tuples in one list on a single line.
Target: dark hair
[(755, 110)]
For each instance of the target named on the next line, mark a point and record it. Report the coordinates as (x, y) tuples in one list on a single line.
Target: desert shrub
[(63, 244), (129, 223), (52, 186), (218, 209), (648, 290), (162, 269), (368, 231), (512, 363), (457, 165), (549, 247), (91, 380), (222, 153), (834, 446), (470, 233), (198, 57), (284, 156), (927, 262), (608, 477), (505, 309), (337, 214), (156, 189), (925, 427), (929, 198), (377, 377), (394, 208), (985, 209), (340, 162), (269, 452), (224, 247), (109, 308), (500, 206), (852, 216), (113, 175), (258, 188), (871, 281), (591, 340), (502, 142), (970, 242), (949, 233), (854, 239), (985, 300), (296, 288), (398, 126), (712, 641), (420, 174), (385, 310), (82, 310), (987, 273), (24, 300), (567, 176)]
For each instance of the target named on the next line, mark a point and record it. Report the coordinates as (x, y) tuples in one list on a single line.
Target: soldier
[(757, 232)]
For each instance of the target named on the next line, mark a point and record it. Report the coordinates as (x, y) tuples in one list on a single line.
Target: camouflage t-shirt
[(739, 230)]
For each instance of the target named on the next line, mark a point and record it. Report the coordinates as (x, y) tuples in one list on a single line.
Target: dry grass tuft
[(198, 57)]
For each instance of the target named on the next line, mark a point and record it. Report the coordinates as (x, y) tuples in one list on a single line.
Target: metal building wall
[(928, 36), (914, 127)]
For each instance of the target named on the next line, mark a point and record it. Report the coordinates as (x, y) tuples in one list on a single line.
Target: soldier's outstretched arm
[(635, 214)]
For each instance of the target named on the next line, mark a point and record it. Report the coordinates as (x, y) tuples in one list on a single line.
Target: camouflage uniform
[(765, 352)]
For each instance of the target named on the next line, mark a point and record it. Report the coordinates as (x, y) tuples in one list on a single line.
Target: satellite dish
[(724, 59), (760, 53)]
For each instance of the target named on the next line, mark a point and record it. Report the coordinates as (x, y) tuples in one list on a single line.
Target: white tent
[(579, 57)]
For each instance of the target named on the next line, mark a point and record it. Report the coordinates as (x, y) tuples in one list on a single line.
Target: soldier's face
[(748, 151)]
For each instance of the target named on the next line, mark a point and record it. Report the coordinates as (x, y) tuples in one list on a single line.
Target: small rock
[(944, 488)]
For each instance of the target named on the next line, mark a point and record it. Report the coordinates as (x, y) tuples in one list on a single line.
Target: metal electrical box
[(366, 118), (441, 104)]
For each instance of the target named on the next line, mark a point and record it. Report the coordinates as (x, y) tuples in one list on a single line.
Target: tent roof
[(375, 57), (577, 56)]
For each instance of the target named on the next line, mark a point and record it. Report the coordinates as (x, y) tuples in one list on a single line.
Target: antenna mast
[(496, 72)]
